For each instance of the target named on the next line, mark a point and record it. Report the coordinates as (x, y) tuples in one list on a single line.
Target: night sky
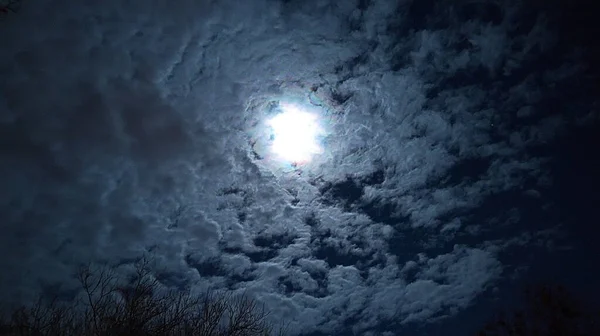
[(457, 156)]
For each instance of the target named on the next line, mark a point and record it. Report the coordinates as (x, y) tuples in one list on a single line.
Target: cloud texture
[(128, 128)]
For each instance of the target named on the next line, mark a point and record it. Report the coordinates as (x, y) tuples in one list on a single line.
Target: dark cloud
[(127, 128)]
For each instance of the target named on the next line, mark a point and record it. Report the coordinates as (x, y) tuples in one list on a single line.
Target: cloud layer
[(127, 128)]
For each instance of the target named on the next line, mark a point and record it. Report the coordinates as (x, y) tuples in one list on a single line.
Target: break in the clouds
[(129, 128)]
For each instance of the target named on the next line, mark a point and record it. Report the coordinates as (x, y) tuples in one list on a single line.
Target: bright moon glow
[(295, 134)]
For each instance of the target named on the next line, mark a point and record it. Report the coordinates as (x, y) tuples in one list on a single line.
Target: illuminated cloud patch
[(295, 134)]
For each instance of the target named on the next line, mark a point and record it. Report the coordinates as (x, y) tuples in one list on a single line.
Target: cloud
[(127, 129)]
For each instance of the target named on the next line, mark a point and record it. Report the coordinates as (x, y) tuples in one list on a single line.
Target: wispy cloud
[(127, 128)]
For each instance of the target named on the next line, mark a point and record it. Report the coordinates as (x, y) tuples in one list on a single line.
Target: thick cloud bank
[(129, 128)]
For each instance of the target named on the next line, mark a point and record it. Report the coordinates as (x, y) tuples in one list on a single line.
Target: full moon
[(295, 134)]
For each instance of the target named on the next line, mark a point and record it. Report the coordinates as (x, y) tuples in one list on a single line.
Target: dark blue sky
[(458, 159)]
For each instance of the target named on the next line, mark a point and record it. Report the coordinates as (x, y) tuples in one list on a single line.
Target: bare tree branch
[(138, 305), (548, 310)]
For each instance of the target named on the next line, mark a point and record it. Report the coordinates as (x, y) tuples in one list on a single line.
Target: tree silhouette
[(7, 6), (110, 304), (549, 310)]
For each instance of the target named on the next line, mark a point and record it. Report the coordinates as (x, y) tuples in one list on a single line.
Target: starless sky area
[(456, 157)]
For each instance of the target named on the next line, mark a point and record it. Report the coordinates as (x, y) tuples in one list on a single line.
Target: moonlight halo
[(295, 133)]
